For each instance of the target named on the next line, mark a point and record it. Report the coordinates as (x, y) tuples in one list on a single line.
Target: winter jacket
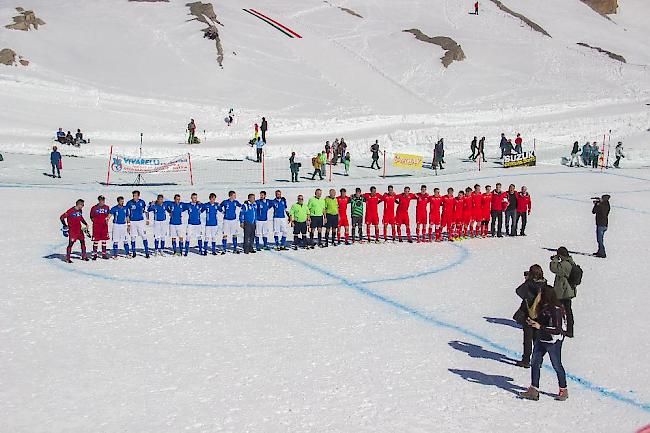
[(293, 165), (576, 148), (55, 157), (323, 158), (601, 210), (259, 144), (439, 150), (264, 126), (248, 213), (503, 143), (375, 151), (553, 322), (529, 292), (499, 201), (524, 203), (561, 267), (586, 150), (619, 151)]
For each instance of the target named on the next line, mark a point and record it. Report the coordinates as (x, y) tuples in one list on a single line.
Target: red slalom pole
[(108, 171), (384, 176), (263, 167), (189, 159)]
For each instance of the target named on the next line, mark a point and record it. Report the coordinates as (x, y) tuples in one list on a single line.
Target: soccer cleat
[(530, 394), (146, 256), (133, 254), (223, 253), (94, 257), (68, 261), (85, 259), (105, 256), (523, 364), (563, 395)]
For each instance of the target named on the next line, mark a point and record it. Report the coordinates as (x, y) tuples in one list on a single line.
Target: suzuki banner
[(520, 159), (404, 160)]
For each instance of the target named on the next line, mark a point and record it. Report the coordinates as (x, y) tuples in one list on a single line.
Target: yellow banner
[(403, 160)]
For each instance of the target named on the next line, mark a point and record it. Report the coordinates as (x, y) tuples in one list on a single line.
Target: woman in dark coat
[(529, 292)]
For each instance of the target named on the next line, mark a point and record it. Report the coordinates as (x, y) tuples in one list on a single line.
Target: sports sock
[(114, 249), (234, 243), (156, 244), (187, 247), (276, 241), (224, 244), (146, 246), (265, 241), (162, 244), (257, 243), (283, 241), (174, 245), (132, 245), (126, 248)]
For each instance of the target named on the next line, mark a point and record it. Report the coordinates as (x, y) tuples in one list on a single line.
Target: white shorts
[(280, 227), (230, 228), (263, 228), (194, 231), (211, 233), (120, 233), (160, 229), (177, 231), (138, 228)]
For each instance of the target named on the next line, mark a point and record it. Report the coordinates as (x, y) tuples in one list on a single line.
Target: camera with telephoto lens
[(526, 274), (596, 200)]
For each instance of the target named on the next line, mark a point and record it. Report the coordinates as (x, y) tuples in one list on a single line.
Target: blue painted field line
[(464, 331)]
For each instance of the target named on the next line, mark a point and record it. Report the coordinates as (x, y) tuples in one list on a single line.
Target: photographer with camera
[(601, 210), (567, 277), (530, 293)]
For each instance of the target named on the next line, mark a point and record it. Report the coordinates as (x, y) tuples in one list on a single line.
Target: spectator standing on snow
[(318, 167), (476, 8), (374, 149), (342, 149), (346, 163), (601, 210), (619, 154), (294, 167), (256, 132), (259, 144), (328, 149), (529, 292), (561, 265), (595, 154), (264, 127), (473, 146), (55, 160), (519, 143), (481, 149), (550, 325), (334, 156), (511, 211), (574, 155), (586, 154), (508, 148), (502, 144), (439, 154), (191, 128)]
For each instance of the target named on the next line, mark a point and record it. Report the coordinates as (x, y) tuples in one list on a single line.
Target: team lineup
[(321, 221)]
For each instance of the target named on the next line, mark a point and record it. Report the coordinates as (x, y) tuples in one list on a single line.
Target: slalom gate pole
[(204, 137), (602, 155), (263, 167), (433, 158), (534, 145), (189, 159), (108, 171), (479, 163), (609, 147), (384, 175)]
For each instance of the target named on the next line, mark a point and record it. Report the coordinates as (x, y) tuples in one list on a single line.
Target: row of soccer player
[(464, 215)]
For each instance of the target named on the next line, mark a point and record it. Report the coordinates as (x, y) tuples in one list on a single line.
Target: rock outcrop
[(611, 55), (351, 12), (204, 12), (25, 20), (527, 21), (453, 51), (8, 57), (603, 7)]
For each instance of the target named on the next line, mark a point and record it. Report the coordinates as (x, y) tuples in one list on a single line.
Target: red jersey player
[(344, 223), (434, 215), (402, 214), (372, 211), (99, 215), (499, 204), (486, 208), (448, 219), (478, 208), (468, 212), (421, 214), (458, 214), (72, 219), (388, 218), (524, 205)]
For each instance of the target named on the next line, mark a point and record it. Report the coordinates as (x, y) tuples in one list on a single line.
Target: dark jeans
[(319, 172), (249, 236), (375, 162), (511, 221), (264, 135), (600, 238), (566, 303), (524, 218), (258, 151), (294, 175), (497, 216), (55, 166), (529, 336), (554, 351), (617, 162)]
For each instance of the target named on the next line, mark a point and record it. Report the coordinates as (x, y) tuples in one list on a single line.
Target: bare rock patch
[(611, 55), (25, 20), (527, 21), (603, 7), (8, 58), (453, 51), (204, 13)]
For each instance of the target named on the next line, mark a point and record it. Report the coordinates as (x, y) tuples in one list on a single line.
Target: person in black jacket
[(601, 210), (574, 154), (511, 211), (473, 146), (264, 126), (551, 326), (529, 292)]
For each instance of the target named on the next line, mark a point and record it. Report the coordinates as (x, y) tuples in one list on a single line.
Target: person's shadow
[(478, 352), (502, 321), (501, 382)]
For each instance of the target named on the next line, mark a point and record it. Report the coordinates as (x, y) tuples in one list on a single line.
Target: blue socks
[(146, 246), (214, 247), (266, 242), (257, 243), (187, 247), (224, 243), (126, 248), (284, 240), (234, 243), (174, 245), (155, 244), (276, 241), (114, 249)]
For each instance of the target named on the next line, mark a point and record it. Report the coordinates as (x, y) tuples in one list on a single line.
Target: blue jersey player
[(137, 224), (176, 224), (263, 226), (120, 214), (211, 209), (230, 221), (280, 219), (160, 224), (194, 226)]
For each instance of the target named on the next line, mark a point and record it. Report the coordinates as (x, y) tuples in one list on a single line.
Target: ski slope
[(389, 337)]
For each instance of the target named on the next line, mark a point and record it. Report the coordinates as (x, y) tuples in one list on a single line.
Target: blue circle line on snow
[(106, 277), (428, 318)]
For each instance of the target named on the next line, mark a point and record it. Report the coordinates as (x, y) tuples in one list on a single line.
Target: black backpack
[(575, 276)]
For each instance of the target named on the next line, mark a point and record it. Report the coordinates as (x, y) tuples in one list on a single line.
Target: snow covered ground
[(389, 337)]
